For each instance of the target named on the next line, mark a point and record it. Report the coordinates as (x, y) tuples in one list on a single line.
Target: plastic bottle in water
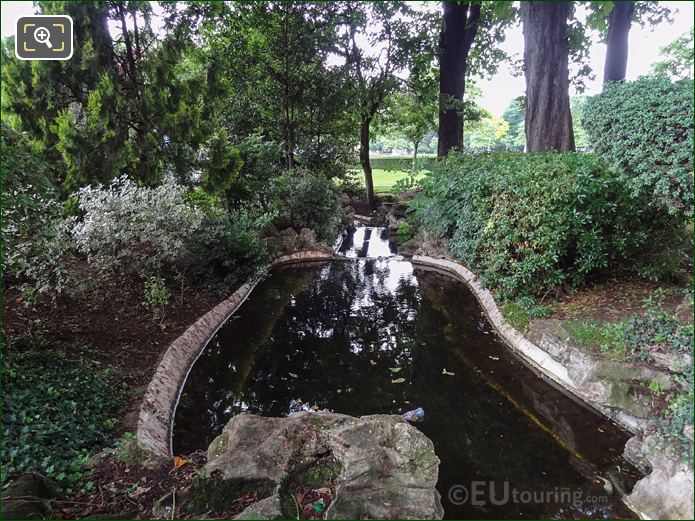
[(416, 415)]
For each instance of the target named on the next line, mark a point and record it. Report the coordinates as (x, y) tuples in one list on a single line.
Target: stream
[(372, 333)]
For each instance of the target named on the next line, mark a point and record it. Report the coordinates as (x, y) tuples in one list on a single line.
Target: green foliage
[(129, 229), (655, 387), (221, 166), (32, 232), (517, 316), (405, 232), (637, 336), (55, 412), (679, 57), (644, 129), (609, 338), (227, 249), (157, 296), (402, 163), (656, 331), (404, 184), (522, 310), (529, 222), (306, 199)]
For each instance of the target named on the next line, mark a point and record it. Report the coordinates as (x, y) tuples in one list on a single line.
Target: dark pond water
[(325, 335)]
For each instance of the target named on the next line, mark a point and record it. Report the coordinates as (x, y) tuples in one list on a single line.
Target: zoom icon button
[(44, 37)]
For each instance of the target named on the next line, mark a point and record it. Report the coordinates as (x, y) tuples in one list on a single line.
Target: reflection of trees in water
[(324, 325)]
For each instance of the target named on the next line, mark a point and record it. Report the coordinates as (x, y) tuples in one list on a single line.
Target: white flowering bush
[(133, 230)]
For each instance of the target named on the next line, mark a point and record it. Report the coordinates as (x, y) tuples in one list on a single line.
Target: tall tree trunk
[(548, 121), (459, 28), (416, 144), (364, 159), (619, 23)]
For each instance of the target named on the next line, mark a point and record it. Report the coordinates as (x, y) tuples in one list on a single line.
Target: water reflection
[(367, 242), (328, 337)]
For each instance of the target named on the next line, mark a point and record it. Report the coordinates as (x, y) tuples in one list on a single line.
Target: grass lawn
[(385, 179)]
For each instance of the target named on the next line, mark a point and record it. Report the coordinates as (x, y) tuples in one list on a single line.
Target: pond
[(373, 333)]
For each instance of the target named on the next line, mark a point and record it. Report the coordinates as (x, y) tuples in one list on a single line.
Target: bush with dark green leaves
[(644, 129), (56, 411), (528, 223), (306, 199)]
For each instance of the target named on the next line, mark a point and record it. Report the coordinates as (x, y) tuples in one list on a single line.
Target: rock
[(408, 248), (674, 362), (667, 492), (633, 454), (29, 497), (434, 247), (289, 240), (684, 312), (307, 236), (380, 466), (612, 384), (268, 508)]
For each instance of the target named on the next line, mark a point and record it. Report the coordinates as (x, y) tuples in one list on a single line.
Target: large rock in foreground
[(377, 467)]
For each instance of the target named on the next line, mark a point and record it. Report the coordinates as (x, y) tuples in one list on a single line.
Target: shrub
[(55, 411), (35, 249), (157, 296), (644, 129), (227, 249), (530, 222), (129, 229), (405, 232), (306, 200)]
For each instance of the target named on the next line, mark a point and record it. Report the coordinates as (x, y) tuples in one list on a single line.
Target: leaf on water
[(398, 381), (293, 375), (395, 369)]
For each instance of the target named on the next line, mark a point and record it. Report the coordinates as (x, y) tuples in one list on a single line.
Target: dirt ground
[(613, 299)]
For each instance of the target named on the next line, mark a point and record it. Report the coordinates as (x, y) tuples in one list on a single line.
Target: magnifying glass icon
[(43, 35)]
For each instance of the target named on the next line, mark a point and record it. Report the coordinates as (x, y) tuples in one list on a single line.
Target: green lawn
[(385, 179)]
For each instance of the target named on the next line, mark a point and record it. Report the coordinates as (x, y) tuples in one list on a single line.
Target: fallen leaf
[(372, 362), (448, 373), (398, 381), (395, 369), (179, 462), (339, 391), (293, 375), (493, 357)]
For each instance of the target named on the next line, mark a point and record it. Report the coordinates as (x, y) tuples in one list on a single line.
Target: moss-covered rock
[(358, 459)]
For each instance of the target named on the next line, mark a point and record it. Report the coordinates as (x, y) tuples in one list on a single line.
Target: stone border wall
[(527, 350), (161, 397)]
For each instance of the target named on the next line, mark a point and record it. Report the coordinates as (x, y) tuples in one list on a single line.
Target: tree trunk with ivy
[(460, 25), (619, 23), (548, 121)]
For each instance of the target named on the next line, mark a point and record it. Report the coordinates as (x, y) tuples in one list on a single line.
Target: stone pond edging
[(161, 397)]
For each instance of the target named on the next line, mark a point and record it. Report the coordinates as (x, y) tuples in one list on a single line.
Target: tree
[(459, 27), (679, 57), (268, 65), (613, 21), (468, 46), (619, 24), (412, 112), (515, 138), (390, 36), (548, 120)]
